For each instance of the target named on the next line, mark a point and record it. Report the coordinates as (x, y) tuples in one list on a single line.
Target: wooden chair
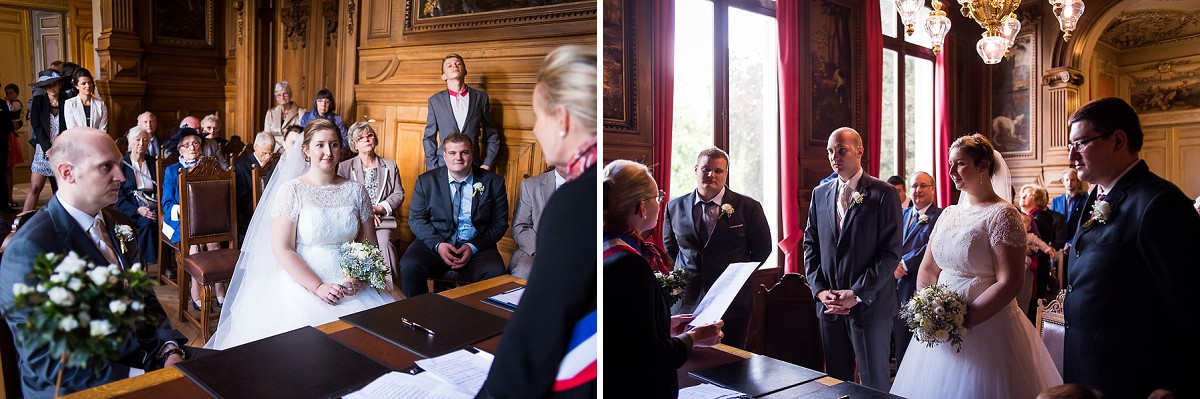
[(208, 214), (234, 148), (789, 322), (17, 222), (1052, 326), (165, 247), (259, 177)]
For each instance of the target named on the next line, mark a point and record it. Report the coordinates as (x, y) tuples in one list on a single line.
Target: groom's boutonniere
[(923, 219), (726, 210), (856, 198), (124, 235), (1101, 212), (478, 187)]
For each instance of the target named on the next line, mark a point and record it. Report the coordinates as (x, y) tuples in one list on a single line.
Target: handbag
[(386, 222)]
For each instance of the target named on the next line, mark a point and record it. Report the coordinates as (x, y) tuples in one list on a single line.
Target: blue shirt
[(466, 230)]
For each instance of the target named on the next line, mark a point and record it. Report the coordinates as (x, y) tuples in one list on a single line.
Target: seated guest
[(381, 178), (148, 121), (898, 182), (704, 239), (287, 113), (639, 332), (84, 159), (535, 192), (136, 196), (1051, 227), (210, 126), (187, 142), (290, 135), (264, 149), (458, 213), (324, 107)]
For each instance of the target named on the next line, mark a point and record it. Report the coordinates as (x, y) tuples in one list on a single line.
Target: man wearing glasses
[(917, 222), (708, 229), (1133, 256)]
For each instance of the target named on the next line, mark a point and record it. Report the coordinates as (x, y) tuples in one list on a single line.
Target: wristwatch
[(171, 348)]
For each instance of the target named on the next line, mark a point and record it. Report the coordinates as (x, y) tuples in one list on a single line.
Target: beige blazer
[(73, 112), (276, 120), (390, 193)]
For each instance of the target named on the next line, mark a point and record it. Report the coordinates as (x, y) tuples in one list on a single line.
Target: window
[(726, 95), (908, 111)]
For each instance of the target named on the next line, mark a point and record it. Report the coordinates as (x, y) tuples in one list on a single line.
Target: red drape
[(663, 82), (941, 104), (874, 59), (787, 16)]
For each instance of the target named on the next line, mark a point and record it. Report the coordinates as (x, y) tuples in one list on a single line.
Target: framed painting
[(443, 15), (1013, 97), (1166, 86), (834, 68), (185, 23), (620, 92)]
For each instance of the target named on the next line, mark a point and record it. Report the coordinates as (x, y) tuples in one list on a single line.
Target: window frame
[(903, 49)]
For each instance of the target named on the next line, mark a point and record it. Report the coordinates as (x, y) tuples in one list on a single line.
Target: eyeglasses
[(283, 94), (189, 144), (1077, 145), (366, 137), (921, 186), (660, 196)]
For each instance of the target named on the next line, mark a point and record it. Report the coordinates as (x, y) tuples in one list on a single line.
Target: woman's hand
[(146, 212), (708, 334), (330, 293), (679, 323), (379, 210), (351, 286)]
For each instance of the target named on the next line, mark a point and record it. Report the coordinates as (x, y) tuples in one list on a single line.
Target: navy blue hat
[(180, 133), (46, 78)]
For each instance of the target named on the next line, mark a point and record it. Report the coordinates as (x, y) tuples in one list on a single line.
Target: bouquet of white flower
[(364, 262), (81, 310), (936, 314), (672, 284)]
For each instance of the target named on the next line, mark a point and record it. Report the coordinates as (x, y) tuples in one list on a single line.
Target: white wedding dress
[(1003, 357), (269, 301)]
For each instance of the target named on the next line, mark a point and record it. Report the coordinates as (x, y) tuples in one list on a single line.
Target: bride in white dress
[(288, 275), (977, 248)]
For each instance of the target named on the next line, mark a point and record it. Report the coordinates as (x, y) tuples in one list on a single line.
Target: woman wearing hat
[(187, 143), (47, 119)]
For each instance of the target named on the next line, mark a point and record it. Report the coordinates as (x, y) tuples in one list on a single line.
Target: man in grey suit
[(460, 109), (87, 165), (535, 193), (918, 221), (851, 247), (457, 214), (708, 229)]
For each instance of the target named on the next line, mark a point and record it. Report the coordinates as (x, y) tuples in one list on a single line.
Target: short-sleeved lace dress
[(1003, 357), (270, 301)]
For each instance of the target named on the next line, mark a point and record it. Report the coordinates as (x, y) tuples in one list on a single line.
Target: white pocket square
[(736, 226)]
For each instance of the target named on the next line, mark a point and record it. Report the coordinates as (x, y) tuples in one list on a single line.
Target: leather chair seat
[(214, 266)]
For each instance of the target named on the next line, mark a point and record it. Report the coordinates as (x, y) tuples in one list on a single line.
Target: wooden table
[(702, 358), (171, 383)]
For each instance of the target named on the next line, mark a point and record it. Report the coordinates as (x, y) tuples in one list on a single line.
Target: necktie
[(1100, 197), (99, 235), (912, 219), (457, 199), (698, 223), (706, 216), (843, 204)]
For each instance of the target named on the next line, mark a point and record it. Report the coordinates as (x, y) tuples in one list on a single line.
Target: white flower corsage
[(923, 219), (478, 189), (124, 235), (726, 210), (1101, 212), (856, 198)]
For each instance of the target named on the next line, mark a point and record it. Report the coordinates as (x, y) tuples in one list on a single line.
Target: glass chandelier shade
[(998, 19), (992, 48)]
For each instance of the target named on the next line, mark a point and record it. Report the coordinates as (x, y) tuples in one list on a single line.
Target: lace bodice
[(962, 242), (326, 217)]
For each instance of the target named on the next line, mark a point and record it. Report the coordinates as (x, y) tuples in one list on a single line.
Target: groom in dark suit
[(460, 109), (1130, 289), (918, 221), (710, 228), (80, 218), (458, 213), (851, 248)]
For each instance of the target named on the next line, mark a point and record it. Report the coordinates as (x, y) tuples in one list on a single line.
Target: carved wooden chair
[(208, 214), (259, 177), (1052, 326), (166, 249), (790, 329)]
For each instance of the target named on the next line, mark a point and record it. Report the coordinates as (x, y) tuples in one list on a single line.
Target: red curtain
[(787, 16), (663, 81), (941, 105), (874, 59)]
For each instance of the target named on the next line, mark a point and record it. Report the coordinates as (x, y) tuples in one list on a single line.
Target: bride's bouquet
[(672, 284), (936, 314), (364, 262)]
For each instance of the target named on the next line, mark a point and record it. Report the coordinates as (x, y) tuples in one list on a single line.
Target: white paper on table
[(718, 298), (403, 385), (464, 369), (709, 391)]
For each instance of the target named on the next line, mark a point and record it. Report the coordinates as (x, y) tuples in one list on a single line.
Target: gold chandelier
[(998, 19)]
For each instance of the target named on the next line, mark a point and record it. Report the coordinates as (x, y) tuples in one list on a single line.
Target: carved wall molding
[(1144, 28), (1166, 71), (47, 5), (295, 24), (1170, 118), (240, 6), (330, 11), (350, 10), (1062, 76), (533, 15)]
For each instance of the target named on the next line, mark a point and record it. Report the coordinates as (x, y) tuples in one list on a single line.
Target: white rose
[(136, 267), (137, 306), (61, 296), (941, 335), (959, 319), (117, 306), (113, 269), (1103, 207), (68, 323), (100, 328), (99, 276), (21, 289), (75, 284), (70, 264), (59, 278)]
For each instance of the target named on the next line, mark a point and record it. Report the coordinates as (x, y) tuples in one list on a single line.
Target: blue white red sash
[(579, 365), (615, 245)]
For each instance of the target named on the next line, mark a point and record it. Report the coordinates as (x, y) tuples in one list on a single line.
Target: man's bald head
[(842, 134), (88, 167), (74, 144), (191, 122), (845, 152)]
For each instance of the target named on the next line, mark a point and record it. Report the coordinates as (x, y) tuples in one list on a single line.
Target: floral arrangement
[(478, 188), (936, 314), (124, 236), (856, 198), (1101, 212), (82, 311), (727, 210), (672, 284), (364, 262)]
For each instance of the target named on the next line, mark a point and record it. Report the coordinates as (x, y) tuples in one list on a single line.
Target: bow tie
[(462, 93)]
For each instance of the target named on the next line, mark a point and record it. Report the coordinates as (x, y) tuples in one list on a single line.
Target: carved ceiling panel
[(1145, 28)]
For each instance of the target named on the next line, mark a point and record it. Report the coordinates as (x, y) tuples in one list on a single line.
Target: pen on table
[(416, 326)]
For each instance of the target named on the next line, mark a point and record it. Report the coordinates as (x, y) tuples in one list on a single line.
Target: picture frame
[(183, 23), (835, 76), (619, 69), (422, 16), (1012, 116)]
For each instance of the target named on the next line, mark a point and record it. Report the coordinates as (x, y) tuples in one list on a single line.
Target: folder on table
[(507, 299), (757, 376), (454, 324), (302, 363)]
